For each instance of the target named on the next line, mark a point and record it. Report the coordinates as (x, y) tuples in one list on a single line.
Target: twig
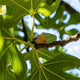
[(68, 7), (25, 34), (57, 43)]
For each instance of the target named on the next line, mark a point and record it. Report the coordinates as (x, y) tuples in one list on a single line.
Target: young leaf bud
[(39, 39)]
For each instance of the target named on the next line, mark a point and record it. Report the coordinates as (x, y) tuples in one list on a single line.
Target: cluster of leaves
[(13, 64)]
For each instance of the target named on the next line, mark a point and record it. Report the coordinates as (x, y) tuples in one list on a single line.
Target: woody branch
[(59, 43)]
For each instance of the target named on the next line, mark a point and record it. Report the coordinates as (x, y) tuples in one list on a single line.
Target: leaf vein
[(19, 5), (54, 73)]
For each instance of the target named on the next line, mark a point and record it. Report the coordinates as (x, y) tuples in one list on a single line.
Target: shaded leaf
[(75, 19), (5, 74), (49, 37), (51, 22), (49, 2), (19, 9), (45, 54), (55, 68)]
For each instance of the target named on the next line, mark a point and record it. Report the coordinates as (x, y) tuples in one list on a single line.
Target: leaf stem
[(24, 48), (40, 66), (33, 27), (34, 57), (16, 40)]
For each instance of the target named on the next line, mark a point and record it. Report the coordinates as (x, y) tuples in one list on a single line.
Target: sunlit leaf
[(71, 32), (47, 10)]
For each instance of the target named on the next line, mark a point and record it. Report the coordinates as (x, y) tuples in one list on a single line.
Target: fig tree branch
[(59, 43), (25, 34), (68, 7)]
